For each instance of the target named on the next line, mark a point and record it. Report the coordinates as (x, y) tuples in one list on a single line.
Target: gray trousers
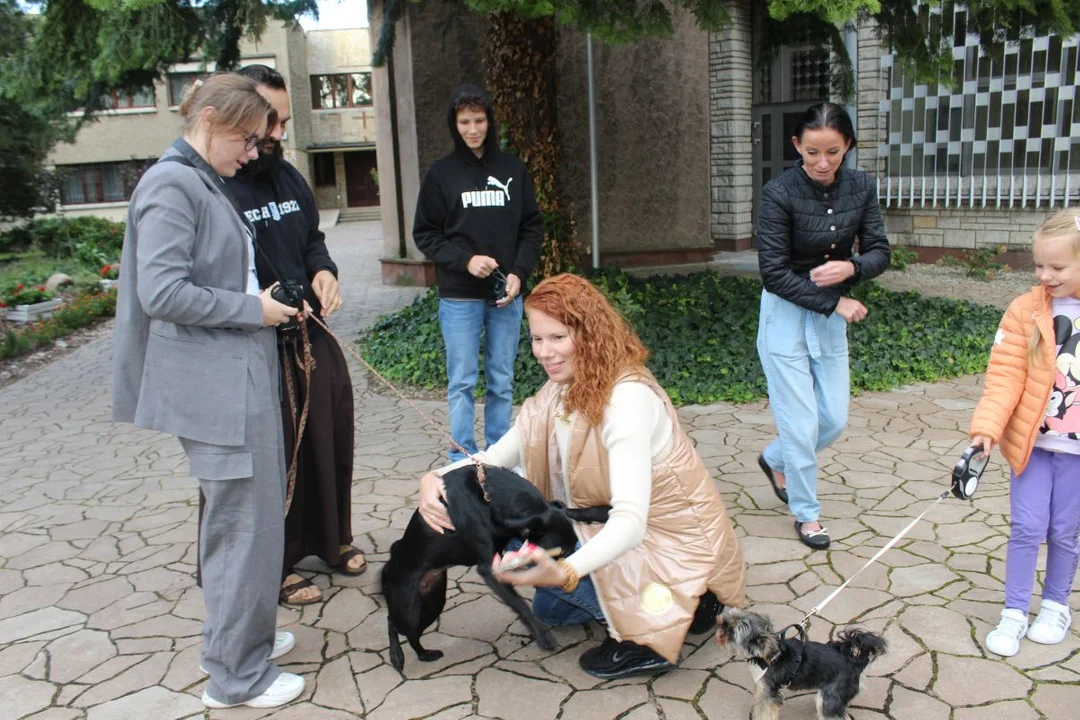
[(242, 537)]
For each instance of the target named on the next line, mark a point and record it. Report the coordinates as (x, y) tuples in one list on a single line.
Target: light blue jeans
[(805, 358), (555, 607), (462, 322)]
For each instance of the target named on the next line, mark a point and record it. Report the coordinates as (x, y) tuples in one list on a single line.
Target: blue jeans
[(462, 322), (805, 358), (555, 607)]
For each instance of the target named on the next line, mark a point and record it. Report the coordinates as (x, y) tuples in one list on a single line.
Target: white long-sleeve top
[(636, 432)]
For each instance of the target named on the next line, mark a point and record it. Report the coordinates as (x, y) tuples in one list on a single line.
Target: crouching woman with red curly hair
[(603, 432)]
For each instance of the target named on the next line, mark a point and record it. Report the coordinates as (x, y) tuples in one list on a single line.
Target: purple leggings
[(1045, 502)]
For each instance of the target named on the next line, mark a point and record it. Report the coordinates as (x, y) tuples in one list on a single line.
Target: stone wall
[(871, 87), (730, 136), (965, 228), (447, 41), (652, 135)]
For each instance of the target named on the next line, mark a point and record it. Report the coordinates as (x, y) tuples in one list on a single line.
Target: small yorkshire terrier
[(833, 669)]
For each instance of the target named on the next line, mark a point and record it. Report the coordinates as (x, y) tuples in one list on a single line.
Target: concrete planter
[(32, 313)]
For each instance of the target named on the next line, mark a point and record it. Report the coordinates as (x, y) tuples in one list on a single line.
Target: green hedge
[(702, 331)]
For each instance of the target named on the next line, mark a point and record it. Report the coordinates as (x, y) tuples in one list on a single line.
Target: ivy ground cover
[(702, 332)]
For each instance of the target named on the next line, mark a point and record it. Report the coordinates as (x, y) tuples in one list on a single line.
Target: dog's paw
[(397, 657), (430, 655)]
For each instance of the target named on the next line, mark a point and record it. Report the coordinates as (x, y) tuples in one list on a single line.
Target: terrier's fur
[(833, 669)]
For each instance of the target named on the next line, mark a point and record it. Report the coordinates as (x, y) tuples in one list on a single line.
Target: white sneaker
[(284, 690), (284, 641), (1052, 623), (1004, 640)]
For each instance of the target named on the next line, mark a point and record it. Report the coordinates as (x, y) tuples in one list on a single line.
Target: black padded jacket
[(802, 224)]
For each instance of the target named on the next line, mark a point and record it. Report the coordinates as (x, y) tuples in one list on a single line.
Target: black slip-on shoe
[(612, 660), (813, 539), (780, 492), (709, 606)]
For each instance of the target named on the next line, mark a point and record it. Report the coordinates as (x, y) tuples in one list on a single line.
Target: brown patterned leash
[(481, 476), (307, 366)]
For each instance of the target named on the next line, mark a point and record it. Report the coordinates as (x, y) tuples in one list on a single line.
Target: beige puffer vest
[(649, 593)]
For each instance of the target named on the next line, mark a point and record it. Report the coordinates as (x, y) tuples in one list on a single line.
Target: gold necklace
[(560, 407)]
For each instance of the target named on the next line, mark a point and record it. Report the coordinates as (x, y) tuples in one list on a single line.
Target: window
[(325, 173), (1008, 114), (123, 100), (179, 84), (100, 182), (341, 91)]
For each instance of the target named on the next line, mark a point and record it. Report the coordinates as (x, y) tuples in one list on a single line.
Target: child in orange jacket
[(1031, 408)]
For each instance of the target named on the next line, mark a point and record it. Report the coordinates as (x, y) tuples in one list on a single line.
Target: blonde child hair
[(1062, 224)]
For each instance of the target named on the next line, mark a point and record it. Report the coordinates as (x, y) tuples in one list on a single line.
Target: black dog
[(833, 669), (414, 578)]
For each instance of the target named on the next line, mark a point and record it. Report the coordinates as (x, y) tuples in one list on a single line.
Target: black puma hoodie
[(477, 206)]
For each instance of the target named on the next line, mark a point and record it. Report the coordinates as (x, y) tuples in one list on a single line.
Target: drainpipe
[(594, 192), (396, 153)]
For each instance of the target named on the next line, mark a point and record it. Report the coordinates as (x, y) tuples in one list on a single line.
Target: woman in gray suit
[(196, 358)]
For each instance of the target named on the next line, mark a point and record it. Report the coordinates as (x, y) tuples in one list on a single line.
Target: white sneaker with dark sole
[(284, 641), (1051, 624), (284, 690)]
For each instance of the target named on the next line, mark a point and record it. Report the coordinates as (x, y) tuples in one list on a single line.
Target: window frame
[(349, 88)]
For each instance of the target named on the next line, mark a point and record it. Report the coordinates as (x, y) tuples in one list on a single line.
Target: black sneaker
[(705, 616), (612, 660)]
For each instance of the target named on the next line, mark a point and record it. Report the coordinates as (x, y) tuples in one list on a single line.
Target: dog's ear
[(767, 647), (558, 504)]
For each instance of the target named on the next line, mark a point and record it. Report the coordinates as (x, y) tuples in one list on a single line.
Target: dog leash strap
[(888, 546), (480, 474)]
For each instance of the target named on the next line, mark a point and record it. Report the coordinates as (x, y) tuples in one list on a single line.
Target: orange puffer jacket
[(1017, 390)]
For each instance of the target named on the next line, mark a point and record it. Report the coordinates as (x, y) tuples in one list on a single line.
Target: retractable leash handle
[(967, 472), (965, 480)]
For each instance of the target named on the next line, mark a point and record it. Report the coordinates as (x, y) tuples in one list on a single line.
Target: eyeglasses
[(250, 141)]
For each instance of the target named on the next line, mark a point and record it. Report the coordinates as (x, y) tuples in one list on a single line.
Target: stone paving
[(100, 616)]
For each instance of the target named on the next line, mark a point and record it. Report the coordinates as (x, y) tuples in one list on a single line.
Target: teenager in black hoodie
[(477, 219)]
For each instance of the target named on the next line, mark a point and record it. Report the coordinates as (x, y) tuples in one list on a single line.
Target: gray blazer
[(183, 320)]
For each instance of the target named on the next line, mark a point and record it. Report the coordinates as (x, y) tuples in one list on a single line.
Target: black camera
[(498, 290), (291, 293)]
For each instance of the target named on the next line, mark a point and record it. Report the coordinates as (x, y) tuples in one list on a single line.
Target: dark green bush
[(91, 241), (702, 331)]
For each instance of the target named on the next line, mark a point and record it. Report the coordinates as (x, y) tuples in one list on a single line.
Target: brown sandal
[(287, 591), (343, 563)]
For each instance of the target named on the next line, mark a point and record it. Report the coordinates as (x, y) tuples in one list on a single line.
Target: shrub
[(91, 241), (77, 314), (979, 262), (900, 257), (702, 331), (25, 295)]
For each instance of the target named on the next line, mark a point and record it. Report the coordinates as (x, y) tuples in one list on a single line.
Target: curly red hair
[(605, 346)]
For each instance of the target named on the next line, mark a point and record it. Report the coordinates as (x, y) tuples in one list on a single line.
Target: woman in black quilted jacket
[(809, 222)]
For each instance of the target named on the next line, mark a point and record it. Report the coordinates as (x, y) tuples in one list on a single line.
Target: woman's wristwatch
[(570, 584)]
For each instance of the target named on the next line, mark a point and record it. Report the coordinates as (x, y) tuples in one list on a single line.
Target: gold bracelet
[(572, 579)]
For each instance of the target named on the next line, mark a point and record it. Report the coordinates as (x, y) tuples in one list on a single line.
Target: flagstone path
[(100, 617)]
